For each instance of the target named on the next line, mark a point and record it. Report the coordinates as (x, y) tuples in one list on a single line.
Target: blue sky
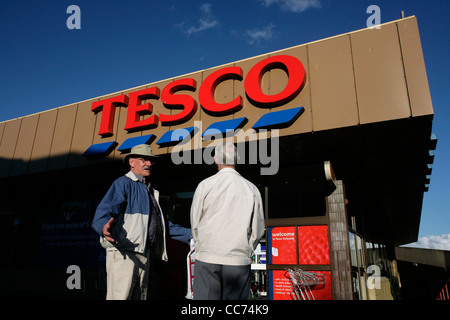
[(123, 44)]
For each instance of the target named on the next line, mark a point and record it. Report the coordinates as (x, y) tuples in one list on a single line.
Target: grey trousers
[(221, 282)]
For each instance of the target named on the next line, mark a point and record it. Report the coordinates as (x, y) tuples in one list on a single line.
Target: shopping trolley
[(304, 282)]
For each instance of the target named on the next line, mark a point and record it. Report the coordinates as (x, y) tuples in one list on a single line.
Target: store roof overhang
[(430, 257), (385, 168)]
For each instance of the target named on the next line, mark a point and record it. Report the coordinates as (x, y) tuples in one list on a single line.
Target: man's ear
[(215, 160), (131, 162)]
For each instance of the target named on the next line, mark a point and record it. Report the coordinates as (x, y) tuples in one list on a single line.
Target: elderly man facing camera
[(132, 228), (227, 222)]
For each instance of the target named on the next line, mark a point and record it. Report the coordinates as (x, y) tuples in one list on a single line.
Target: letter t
[(108, 108)]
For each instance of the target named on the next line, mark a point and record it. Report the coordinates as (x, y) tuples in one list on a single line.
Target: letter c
[(226, 309), (234, 309)]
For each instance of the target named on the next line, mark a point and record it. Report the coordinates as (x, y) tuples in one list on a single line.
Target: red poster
[(284, 245), (323, 292), (302, 245), (283, 288), (313, 245)]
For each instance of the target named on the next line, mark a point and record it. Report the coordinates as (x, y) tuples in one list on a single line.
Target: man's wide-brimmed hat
[(143, 150)]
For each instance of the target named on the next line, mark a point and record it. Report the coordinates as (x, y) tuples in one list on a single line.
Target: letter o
[(296, 79), (208, 88)]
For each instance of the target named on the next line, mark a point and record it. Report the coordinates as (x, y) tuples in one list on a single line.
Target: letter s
[(178, 101)]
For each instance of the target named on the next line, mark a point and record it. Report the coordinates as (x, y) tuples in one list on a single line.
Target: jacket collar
[(224, 170), (132, 176), (135, 177)]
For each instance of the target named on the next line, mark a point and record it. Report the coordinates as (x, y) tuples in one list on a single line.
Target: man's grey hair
[(226, 153)]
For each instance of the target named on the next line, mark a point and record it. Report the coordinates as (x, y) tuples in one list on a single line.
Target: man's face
[(141, 165)]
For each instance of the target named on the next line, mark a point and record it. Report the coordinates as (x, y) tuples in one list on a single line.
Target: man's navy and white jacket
[(127, 201)]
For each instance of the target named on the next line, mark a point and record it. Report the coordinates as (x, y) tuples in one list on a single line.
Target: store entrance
[(294, 194)]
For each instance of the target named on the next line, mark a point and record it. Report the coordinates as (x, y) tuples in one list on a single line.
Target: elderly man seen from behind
[(227, 222)]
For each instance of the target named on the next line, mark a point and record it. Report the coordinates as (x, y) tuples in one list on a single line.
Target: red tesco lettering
[(188, 105)]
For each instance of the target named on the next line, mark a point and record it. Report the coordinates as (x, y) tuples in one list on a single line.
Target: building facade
[(336, 134)]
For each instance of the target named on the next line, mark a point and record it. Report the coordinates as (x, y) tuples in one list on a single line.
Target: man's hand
[(106, 231)]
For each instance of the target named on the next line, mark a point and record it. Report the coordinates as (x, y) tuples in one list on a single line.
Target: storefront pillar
[(339, 244)]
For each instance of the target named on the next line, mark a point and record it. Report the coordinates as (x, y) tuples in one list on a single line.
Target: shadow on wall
[(45, 218), (45, 222)]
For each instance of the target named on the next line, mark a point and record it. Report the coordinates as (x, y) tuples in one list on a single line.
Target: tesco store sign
[(188, 105)]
